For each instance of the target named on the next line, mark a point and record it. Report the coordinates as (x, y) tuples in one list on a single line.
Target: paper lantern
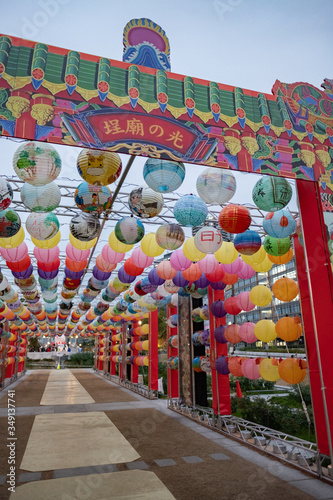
[(10, 223), (50, 243), (41, 198), (163, 176), (246, 332), (146, 286), (217, 309), (42, 226), (227, 253), (219, 334), (116, 245), (276, 246), (235, 366), (201, 282), (265, 330), (129, 230), (92, 199), (20, 265), (271, 193), (14, 254), (131, 269), (191, 252), (98, 168), (221, 365), (264, 266), (170, 236), (154, 278), (72, 265), (234, 267), (165, 270), (232, 334), (140, 259), (216, 275), (231, 306), (196, 364), (230, 279), (280, 224), (285, 289), (244, 302), (84, 227), (234, 218), (179, 261), (281, 259), (247, 243), (260, 295), (208, 264), (73, 253), (37, 163), (288, 328), (150, 247), (49, 266), (193, 273), (179, 279), (103, 265), (124, 277), (82, 245), (208, 240), (170, 287), (292, 370), (190, 210), (255, 258), (268, 369), (250, 369), (246, 272), (216, 186), (145, 203), (6, 194), (111, 255), (218, 286)]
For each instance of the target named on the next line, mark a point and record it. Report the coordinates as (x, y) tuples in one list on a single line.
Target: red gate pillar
[(173, 390), (135, 352), (220, 383), (153, 351), (316, 292)]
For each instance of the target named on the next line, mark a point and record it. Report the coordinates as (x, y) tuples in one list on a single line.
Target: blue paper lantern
[(280, 224), (163, 176), (247, 243), (190, 210)]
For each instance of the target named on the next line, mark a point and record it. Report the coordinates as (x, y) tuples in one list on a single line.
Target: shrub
[(81, 358)]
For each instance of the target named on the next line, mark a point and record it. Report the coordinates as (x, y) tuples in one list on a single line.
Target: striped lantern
[(271, 193), (129, 230), (145, 203), (163, 176), (248, 242), (98, 168), (190, 210), (40, 198), (37, 163), (216, 186)]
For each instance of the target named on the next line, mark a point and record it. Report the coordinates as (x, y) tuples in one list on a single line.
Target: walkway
[(80, 437)]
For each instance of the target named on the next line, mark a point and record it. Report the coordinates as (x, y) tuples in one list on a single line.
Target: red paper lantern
[(193, 273), (48, 266), (234, 218), (103, 265), (19, 266), (138, 289), (230, 279), (235, 366), (231, 306), (216, 275), (231, 333), (165, 270), (131, 269), (75, 266)]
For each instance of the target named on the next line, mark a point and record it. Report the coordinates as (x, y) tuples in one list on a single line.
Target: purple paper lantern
[(72, 275), (124, 277), (202, 282), (100, 275), (147, 287), (219, 334), (218, 286), (48, 275), (154, 278), (24, 274), (221, 365), (217, 309), (179, 280), (205, 337)]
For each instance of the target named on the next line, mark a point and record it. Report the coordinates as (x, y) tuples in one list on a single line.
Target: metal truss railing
[(141, 389)]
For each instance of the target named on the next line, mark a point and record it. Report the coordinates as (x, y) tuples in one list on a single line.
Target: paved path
[(89, 439)]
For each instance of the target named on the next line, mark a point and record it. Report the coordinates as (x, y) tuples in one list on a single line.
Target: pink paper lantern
[(14, 254), (140, 259), (165, 270), (246, 272), (111, 255), (244, 302), (208, 264), (234, 267), (246, 332), (47, 254), (178, 260), (76, 254), (231, 333), (103, 265), (250, 368)]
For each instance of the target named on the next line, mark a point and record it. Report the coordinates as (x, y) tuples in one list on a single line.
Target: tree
[(33, 344)]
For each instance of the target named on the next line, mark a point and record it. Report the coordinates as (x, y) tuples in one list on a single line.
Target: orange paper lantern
[(292, 370), (285, 289), (289, 328)]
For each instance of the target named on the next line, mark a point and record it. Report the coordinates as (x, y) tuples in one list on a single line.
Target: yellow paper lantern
[(191, 252), (260, 295), (255, 258), (13, 241), (81, 245), (119, 286), (281, 259), (289, 328), (292, 370), (117, 246), (51, 243), (227, 254), (145, 329), (285, 289), (265, 330), (264, 266), (268, 369), (99, 168), (145, 345), (150, 247)]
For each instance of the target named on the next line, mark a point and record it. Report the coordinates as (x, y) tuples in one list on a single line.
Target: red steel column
[(135, 352), (173, 389), (153, 351)]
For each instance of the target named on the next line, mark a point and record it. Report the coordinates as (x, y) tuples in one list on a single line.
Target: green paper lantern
[(276, 246), (271, 193)]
